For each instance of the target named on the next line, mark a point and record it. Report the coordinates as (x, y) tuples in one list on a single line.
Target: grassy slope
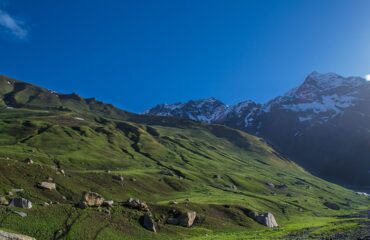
[(143, 148)]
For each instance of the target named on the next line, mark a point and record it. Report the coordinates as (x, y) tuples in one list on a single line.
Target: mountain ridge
[(326, 103)]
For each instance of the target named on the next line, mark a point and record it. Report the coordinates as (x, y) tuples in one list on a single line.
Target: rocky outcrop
[(91, 199), (14, 236), (21, 203)]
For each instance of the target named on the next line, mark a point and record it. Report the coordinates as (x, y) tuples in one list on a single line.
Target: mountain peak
[(331, 80)]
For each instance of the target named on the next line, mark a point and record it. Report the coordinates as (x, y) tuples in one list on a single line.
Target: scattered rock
[(168, 173), (118, 178), (217, 176), (47, 185), (91, 199), (183, 219), (60, 172), (332, 206), (17, 190), (133, 179), (173, 202), (21, 214), (50, 179), (29, 161), (21, 203), (108, 203), (282, 186), (14, 236), (136, 204), (4, 201), (271, 185), (233, 187), (45, 204), (148, 222)]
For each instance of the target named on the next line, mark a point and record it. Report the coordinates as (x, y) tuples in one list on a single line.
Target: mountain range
[(323, 124), (77, 168)]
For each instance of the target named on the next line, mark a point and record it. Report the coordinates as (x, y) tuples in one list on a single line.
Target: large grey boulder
[(149, 223), (267, 219), (14, 236), (21, 203)]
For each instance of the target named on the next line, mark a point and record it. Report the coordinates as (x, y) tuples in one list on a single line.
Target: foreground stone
[(91, 199), (136, 204), (149, 223), (183, 219), (21, 203), (47, 185), (14, 236)]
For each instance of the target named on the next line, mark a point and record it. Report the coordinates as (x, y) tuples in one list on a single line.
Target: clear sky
[(136, 54)]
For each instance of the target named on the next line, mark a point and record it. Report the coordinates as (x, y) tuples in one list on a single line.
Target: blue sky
[(136, 54)]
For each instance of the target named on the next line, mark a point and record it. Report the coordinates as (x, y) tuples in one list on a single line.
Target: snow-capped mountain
[(205, 110), (324, 124)]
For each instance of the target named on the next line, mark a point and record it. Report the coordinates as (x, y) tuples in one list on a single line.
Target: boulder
[(183, 219), (136, 204), (148, 222), (91, 199), (14, 236), (4, 201), (266, 219), (21, 203), (47, 185), (271, 185), (187, 219)]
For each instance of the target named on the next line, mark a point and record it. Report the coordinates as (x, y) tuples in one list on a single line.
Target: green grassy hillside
[(221, 173)]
